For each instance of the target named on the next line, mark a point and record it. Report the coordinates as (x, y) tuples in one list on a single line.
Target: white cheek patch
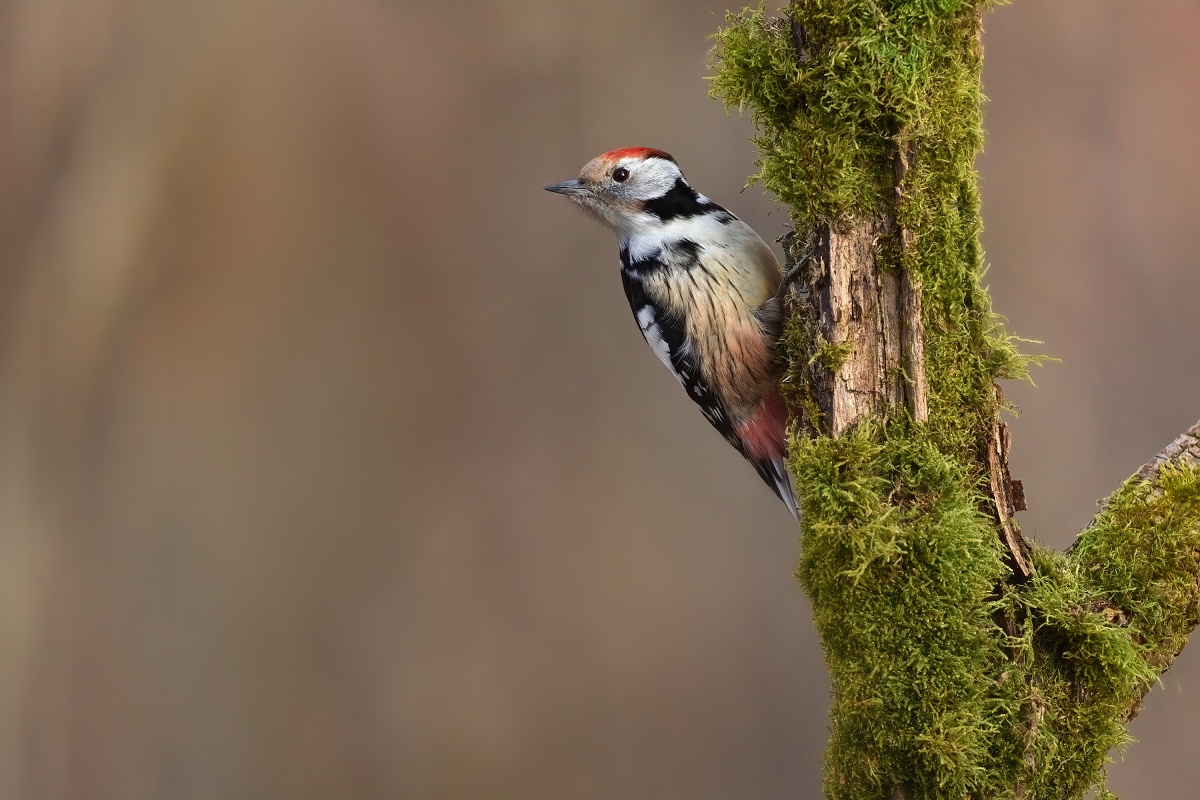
[(654, 177), (653, 335)]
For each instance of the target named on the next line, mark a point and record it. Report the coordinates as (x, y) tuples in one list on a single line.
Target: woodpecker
[(706, 292)]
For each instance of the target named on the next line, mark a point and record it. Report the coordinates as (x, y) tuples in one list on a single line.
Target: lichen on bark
[(964, 662)]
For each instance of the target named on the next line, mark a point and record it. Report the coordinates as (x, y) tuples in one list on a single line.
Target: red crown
[(636, 152)]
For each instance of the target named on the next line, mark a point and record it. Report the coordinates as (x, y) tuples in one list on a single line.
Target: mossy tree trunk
[(964, 661)]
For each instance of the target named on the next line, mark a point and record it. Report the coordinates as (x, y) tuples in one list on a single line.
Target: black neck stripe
[(681, 201)]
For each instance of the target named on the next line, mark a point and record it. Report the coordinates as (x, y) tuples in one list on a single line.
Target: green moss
[(1143, 552), (901, 569), (950, 679), (832, 355)]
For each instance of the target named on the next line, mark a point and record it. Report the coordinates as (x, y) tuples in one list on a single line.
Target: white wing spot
[(654, 337)]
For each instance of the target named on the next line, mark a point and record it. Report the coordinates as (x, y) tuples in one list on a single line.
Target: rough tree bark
[(965, 661)]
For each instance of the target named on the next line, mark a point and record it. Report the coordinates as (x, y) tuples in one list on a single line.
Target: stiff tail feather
[(774, 473)]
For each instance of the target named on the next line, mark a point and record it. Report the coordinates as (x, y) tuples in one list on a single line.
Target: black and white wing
[(667, 338)]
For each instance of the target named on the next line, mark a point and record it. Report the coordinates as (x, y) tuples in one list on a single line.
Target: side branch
[(1142, 554), (1185, 449)]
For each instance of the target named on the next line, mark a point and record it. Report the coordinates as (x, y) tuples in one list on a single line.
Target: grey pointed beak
[(569, 187)]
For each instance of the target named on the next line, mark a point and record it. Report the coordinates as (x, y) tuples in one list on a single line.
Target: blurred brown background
[(332, 465)]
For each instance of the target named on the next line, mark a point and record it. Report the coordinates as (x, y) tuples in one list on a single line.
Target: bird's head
[(628, 188)]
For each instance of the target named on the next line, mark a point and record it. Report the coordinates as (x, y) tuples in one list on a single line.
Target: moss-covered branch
[(964, 663)]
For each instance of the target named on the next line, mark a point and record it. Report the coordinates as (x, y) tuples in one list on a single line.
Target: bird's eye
[(620, 174)]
